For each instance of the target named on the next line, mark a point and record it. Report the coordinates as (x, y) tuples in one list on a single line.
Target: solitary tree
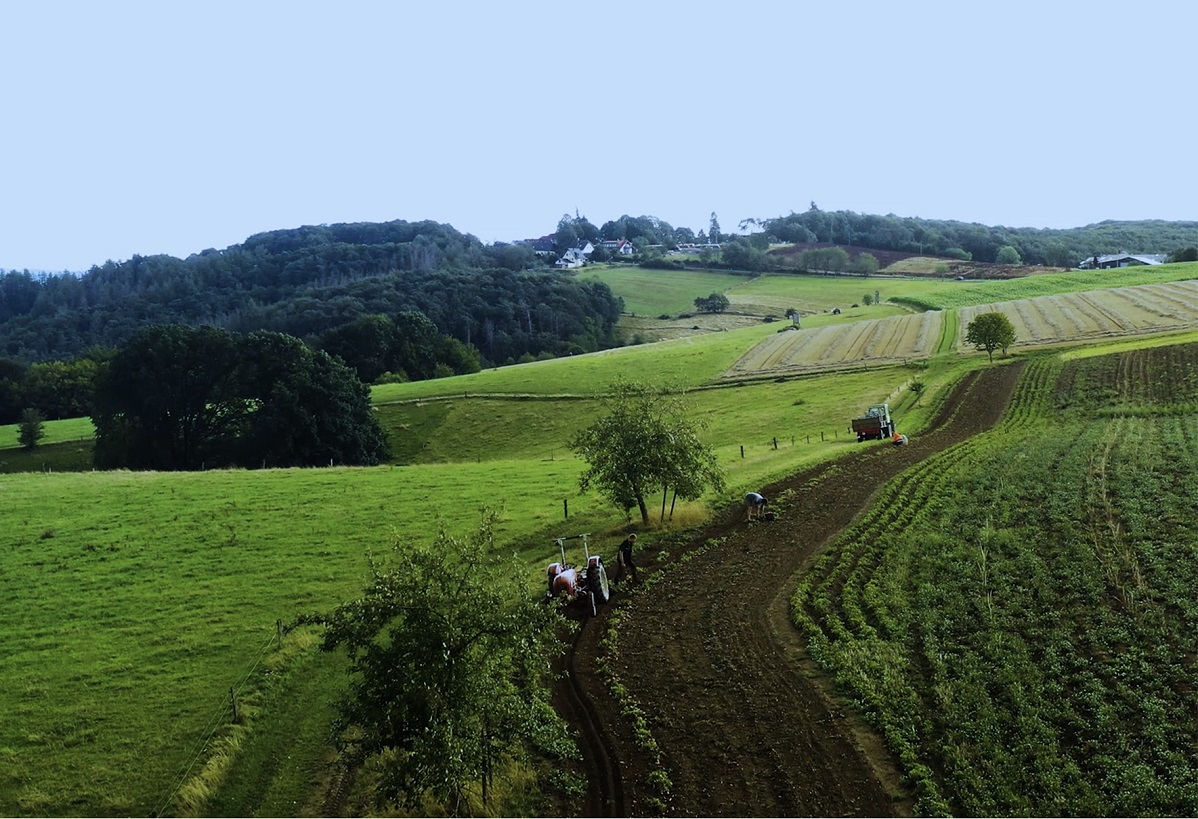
[(989, 332), (31, 429), (715, 303), (450, 662), (917, 389), (866, 264), (645, 442)]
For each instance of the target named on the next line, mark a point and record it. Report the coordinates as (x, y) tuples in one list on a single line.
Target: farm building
[(1121, 260)]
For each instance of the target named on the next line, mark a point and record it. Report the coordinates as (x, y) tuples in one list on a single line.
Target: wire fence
[(222, 715)]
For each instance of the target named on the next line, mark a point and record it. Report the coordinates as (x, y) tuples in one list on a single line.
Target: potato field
[(1018, 616)]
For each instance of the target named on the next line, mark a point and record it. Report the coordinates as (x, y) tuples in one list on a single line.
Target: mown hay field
[(879, 342), (1143, 309)]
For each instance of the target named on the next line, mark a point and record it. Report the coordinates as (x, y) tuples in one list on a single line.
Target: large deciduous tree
[(645, 442), (185, 398), (989, 332), (450, 663), (715, 303)]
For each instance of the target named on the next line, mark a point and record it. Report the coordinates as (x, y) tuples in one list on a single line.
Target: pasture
[(143, 598)]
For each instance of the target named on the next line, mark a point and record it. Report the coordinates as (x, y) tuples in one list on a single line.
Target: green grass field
[(144, 597)]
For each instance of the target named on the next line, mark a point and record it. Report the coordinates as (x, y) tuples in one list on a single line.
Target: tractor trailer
[(875, 425)]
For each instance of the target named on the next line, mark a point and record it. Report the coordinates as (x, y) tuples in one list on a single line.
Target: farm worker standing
[(624, 559), (755, 502)]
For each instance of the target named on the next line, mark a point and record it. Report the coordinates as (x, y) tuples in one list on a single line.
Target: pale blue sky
[(154, 127)]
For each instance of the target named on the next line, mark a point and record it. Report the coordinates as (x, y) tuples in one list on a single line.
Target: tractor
[(572, 585), (876, 424)]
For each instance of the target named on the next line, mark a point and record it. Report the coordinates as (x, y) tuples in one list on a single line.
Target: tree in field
[(740, 253), (643, 443), (450, 669), (187, 398), (713, 233), (866, 264), (917, 389), (715, 303), (989, 332), (31, 429), (1007, 255), (167, 400)]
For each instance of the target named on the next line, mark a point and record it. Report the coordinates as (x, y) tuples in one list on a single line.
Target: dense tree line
[(975, 242), (310, 281), (188, 398)]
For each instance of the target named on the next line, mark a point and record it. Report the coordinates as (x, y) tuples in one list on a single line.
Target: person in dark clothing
[(625, 561)]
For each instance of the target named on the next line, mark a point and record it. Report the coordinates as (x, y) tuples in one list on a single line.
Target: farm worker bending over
[(755, 503), (624, 559), (899, 440)]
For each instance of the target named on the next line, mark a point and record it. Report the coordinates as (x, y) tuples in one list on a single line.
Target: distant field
[(943, 295), (649, 292), (879, 342), (1142, 309)]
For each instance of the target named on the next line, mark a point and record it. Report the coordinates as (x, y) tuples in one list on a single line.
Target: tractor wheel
[(600, 589)]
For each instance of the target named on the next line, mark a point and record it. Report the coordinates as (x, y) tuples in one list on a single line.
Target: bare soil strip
[(745, 724)]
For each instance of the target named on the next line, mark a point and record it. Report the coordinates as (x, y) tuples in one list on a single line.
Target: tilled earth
[(744, 722)]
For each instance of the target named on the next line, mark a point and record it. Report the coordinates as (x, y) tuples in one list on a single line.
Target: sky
[(140, 128)]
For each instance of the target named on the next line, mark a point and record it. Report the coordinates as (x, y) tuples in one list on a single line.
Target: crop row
[(1017, 615)]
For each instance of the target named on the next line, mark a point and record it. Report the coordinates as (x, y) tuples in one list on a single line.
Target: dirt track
[(742, 720)]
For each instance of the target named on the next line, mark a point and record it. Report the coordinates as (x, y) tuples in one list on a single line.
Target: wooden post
[(233, 699), (821, 436), (742, 450), (279, 631), (566, 508), (775, 442)]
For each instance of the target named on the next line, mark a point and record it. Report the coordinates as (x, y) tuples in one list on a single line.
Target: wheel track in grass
[(742, 720)]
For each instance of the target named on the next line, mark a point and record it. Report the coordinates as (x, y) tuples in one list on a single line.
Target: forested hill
[(980, 243), (309, 281)]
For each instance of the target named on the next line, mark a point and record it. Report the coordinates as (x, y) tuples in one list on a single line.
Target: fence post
[(233, 699), (742, 450), (775, 442), (566, 508), (821, 436), (279, 631)]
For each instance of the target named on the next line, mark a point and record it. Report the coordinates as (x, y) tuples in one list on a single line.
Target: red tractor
[(571, 584)]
